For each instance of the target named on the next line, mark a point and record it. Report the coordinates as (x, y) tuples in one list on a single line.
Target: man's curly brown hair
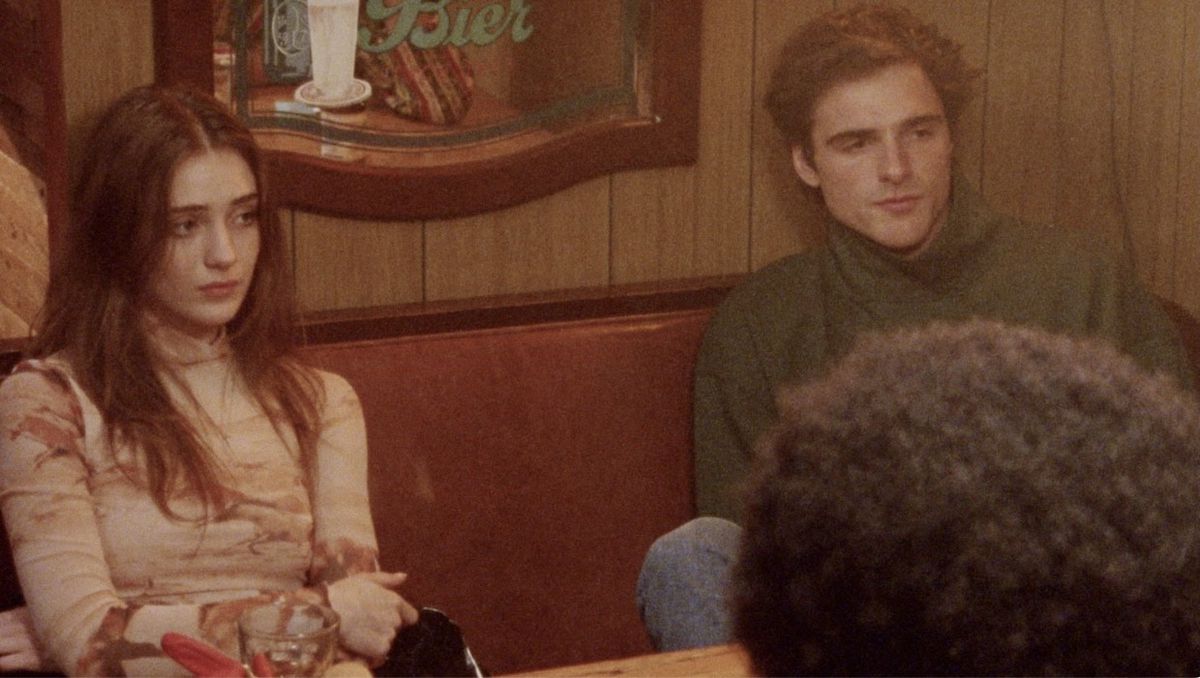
[(976, 499), (850, 44)]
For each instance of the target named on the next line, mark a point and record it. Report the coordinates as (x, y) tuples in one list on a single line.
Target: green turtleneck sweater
[(789, 320)]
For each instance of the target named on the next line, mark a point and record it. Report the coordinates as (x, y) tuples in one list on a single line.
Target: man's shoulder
[(769, 303), (1031, 245), (787, 281), (1049, 249)]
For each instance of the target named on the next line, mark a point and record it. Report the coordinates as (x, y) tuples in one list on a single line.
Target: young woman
[(165, 463)]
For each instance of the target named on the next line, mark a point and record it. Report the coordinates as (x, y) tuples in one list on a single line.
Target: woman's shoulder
[(336, 391), (52, 375), (332, 381), (43, 386)]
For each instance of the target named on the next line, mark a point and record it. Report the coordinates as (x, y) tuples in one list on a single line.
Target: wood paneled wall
[(105, 52), (1088, 115)]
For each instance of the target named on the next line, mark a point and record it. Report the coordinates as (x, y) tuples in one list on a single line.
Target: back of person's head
[(118, 232), (975, 499), (850, 44)]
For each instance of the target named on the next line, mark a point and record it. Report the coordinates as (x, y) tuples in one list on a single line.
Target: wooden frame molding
[(664, 137), (329, 327)]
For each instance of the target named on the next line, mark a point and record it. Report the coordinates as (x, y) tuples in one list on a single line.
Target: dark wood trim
[(183, 37), (383, 322), (183, 46), (10, 354), (515, 310)]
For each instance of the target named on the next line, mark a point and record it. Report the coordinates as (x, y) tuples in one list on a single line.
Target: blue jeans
[(682, 588)]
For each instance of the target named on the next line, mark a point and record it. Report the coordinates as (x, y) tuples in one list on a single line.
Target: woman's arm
[(343, 533), (48, 512), (345, 555), (51, 517)]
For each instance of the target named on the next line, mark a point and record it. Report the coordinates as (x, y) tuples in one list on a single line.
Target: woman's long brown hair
[(97, 292)]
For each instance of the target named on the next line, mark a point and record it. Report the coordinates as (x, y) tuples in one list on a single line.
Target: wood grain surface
[(1087, 115)]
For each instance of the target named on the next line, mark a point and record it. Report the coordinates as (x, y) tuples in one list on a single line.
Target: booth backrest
[(1189, 331), (520, 473), (520, 468)]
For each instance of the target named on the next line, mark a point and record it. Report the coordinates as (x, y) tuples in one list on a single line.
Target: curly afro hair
[(978, 499)]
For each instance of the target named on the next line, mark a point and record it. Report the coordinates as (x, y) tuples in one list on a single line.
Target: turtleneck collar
[(873, 272), (180, 349)]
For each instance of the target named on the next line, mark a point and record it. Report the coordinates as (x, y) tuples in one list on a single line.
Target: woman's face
[(212, 246)]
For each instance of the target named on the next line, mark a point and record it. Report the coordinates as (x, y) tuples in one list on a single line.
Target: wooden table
[(720, 660)]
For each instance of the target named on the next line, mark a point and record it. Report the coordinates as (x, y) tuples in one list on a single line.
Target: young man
[(1031, 511), (867, 99)]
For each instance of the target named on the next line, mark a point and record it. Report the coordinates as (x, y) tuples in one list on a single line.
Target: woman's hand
[(371, 611), (19, 649)]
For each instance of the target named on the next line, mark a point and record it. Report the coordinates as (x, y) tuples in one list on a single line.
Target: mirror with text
[(427, 109)]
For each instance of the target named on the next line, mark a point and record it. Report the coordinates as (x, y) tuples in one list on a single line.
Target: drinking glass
[(333, 37), (294, 639)]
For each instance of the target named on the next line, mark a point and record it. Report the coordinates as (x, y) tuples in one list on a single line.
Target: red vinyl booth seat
[(519, 474), (520, 470)]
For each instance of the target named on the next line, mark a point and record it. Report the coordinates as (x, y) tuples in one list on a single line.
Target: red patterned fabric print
[(434, 85)]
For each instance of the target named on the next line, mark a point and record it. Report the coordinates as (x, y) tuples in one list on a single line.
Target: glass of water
[(293, 639)]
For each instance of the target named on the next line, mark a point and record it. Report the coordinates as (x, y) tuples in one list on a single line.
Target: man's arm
[(733, 406), (1143, 328)]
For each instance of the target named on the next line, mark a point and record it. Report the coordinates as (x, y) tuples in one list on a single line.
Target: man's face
[(881, 156)]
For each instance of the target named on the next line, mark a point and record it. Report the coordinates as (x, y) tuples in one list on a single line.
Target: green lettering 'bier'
[(481, 27)]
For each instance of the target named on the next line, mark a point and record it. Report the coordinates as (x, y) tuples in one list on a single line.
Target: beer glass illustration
[(333, 38)]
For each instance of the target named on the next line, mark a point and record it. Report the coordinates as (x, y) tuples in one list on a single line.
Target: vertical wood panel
[(557, 242), (1187, 250), (1020, 173), (344, 263), (695, 221), (106, 51), (1153, 177), (1117, 16), (783, 220), (1090, 119), (965, 22)]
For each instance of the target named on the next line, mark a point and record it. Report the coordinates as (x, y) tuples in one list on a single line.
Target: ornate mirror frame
[(663, 134)]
